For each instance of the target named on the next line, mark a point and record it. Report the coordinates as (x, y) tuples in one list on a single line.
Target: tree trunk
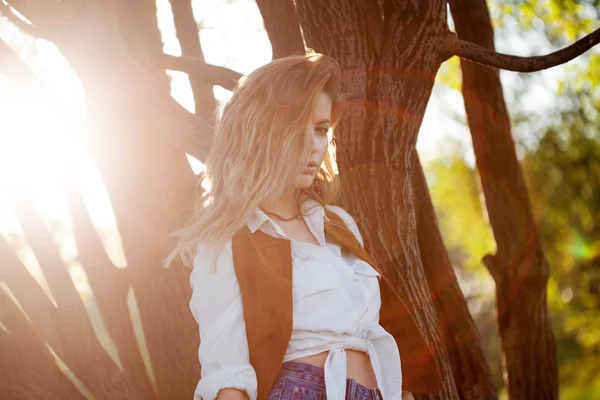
[(189, 40), (150, 201), (282, 26), (519, 266), (131, 136), (456, 324)]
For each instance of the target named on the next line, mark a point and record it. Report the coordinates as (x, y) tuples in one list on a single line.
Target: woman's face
[(321, 116)]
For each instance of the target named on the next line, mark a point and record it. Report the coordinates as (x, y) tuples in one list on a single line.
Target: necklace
[(297, 216), (279, 217)]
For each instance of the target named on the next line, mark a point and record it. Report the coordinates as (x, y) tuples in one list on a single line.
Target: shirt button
[(355, 278)]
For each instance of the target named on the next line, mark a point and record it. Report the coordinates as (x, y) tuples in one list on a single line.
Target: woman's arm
[(216, 304), (232, 394), (407, 395)]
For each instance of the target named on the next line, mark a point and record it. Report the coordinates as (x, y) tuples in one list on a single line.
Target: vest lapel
[(263, 266)]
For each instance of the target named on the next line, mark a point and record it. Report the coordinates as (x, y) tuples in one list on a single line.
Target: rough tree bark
[(519, 266), (283, 27)]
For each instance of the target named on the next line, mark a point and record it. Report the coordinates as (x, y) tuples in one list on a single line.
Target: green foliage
[(561, 162), (590, 392), (449, 74), (563, 176), (455, 192), (564, 182), (561, 21)]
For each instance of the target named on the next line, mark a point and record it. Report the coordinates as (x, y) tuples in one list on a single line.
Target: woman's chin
[(304, 181)]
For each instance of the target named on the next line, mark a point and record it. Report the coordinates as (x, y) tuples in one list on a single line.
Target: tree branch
[(480, 55), (189, 40), (196, 67), (19, 22), (14, 67), (283, 27), (49, 16), (19, 73)]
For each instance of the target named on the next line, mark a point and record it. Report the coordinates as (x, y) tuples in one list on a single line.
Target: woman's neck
[(285, 205)]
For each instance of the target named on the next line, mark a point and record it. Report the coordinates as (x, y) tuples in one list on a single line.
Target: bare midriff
[(358, 366)]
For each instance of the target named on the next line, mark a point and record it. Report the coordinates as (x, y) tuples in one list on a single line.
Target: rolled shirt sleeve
[(216, 304)]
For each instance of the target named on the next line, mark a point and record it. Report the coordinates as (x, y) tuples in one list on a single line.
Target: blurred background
[(555, 117)]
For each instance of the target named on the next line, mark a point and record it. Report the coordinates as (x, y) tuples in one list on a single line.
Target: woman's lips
[(310, 169)]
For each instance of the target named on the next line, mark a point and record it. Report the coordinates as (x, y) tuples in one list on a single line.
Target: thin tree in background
[(519, 267)]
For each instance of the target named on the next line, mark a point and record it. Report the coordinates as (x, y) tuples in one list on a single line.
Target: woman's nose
[(315, 142)]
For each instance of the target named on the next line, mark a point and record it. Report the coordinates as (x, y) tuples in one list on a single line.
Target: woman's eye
[(322, 130)]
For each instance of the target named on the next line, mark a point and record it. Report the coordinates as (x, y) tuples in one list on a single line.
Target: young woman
[(287, 301)]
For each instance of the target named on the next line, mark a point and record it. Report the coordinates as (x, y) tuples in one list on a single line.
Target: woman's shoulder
[(341, 212), (348, 220), (213, 259), (203, 248)]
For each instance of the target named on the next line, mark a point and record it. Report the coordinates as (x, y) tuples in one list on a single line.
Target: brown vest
[(263, 266)]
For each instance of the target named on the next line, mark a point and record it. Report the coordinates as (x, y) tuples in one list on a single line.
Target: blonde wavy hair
[(261, 143)]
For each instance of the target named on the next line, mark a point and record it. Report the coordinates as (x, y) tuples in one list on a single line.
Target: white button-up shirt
[(336, 306)]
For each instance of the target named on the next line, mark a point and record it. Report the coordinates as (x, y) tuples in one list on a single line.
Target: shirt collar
[(309, 207)]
